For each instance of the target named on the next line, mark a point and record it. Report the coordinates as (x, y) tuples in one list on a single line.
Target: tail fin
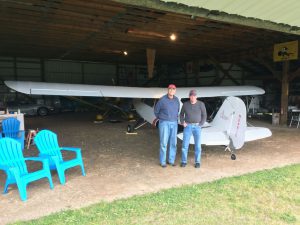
[(231, 118)]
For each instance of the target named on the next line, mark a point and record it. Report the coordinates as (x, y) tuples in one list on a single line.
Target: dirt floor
[(120, 165)]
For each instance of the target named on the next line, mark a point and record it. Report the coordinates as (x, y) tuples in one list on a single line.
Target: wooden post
[(150, 61), (284, 93)]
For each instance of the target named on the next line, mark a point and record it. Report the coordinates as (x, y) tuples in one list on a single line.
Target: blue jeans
[(188, 131), (167, 134)]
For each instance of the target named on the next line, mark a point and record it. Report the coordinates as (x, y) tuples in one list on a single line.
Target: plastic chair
[(11, 129), (13, 163), (295, 118), (47, 144)]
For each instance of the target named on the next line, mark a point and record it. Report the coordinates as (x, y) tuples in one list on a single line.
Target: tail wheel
[(129, 128), (233, 157), (42, 111)]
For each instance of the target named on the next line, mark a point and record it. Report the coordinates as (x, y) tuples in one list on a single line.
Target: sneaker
[(197, 165), (164, 166), (171, 164), (182, 164)]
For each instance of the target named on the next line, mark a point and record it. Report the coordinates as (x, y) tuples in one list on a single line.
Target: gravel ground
[(119, 165)]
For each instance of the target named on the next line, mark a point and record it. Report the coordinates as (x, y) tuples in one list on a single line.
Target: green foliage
[(264, 197)]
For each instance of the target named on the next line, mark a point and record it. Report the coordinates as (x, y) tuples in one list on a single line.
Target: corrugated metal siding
[(277, 11), (63, 71), (99, 73), (27, 69)]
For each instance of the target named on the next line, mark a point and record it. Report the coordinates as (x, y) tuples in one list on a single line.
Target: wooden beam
[(225, 72), (284, 93), (150, 61), (268, 66)]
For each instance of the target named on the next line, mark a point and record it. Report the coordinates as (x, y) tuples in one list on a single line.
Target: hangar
[(85, 42), (129, 43)]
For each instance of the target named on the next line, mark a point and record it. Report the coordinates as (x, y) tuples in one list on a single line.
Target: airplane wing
[(44, 88)]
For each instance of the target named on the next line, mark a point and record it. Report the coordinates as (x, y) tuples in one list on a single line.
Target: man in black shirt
[(192, 117)]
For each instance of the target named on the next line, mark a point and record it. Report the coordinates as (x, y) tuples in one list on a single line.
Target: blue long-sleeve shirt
[(167, 109)]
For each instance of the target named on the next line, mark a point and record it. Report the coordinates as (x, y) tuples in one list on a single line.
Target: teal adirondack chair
[(13, 163), (11, 129), (47, 144)]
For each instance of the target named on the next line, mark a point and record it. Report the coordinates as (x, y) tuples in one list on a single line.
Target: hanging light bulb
[(173, 37)]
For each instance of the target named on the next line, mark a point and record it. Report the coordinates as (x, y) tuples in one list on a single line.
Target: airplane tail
[(231, 119), (229, 127)]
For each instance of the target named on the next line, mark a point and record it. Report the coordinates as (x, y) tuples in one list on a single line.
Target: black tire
[(129, 128), (42, 111), (233, 157)]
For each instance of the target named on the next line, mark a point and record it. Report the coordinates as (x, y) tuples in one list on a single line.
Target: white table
[(19, 116)]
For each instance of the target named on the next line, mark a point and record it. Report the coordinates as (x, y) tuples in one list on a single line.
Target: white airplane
[(228, 128)]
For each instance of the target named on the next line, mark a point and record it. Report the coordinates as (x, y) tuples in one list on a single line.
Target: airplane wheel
[(42, 111), (233, 157), (129, 128)]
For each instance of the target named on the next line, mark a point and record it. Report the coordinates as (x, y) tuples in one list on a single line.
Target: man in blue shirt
[(166, 111)]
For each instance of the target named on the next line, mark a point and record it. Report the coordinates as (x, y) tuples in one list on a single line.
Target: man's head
[(171, 90), (193, 93), (193, 96)]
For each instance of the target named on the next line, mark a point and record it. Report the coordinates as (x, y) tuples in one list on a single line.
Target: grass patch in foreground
[(265, 197)]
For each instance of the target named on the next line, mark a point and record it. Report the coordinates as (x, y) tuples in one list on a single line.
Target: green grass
[(265, 197)]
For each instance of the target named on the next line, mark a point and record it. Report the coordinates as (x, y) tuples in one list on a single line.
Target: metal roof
[(277, 11)]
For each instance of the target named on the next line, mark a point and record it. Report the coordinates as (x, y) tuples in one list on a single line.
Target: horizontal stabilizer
[(213, 136), (255, 133), (210, 136)]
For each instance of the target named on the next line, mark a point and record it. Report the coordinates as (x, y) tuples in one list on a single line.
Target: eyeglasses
[(172, 88)]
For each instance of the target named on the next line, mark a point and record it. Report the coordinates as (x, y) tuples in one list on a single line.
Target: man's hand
[(154, 122), (184, 124)]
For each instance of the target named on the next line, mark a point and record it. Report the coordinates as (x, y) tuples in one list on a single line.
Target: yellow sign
[(285, 51)]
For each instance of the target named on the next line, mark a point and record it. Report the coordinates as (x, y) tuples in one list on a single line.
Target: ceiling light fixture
[(125, 53), (173, 37)]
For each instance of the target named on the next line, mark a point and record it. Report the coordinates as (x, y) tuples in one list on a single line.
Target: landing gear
[(42, 111), (233, 156), (130, 128), (137, 125)]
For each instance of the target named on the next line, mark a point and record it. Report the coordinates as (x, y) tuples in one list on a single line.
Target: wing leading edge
[(43, 88)]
